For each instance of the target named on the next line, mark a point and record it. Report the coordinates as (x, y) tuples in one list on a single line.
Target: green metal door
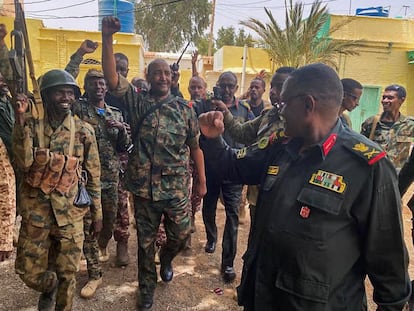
[(369, 105)]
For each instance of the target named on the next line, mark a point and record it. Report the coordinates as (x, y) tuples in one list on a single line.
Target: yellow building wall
[(52, 48), (383, 61)]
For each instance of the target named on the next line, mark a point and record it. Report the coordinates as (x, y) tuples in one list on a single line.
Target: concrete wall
[(52, 48)]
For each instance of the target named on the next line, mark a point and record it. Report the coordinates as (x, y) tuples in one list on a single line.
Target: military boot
[(122, 257), (47, 300), (88, 291), (103, 254)]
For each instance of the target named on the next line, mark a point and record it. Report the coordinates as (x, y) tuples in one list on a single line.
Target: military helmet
[(57, 77)]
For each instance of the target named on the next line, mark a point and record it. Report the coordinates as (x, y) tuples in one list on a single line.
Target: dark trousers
[(231, 198)]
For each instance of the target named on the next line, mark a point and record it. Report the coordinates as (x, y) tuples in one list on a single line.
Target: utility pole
[(210, 40), (406, 7)]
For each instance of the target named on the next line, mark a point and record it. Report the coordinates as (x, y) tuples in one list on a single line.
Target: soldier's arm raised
[(110, 25)]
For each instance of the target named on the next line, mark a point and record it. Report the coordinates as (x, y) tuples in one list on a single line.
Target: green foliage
[(202, 45), (228, 36), (166, 27), (302, 41)]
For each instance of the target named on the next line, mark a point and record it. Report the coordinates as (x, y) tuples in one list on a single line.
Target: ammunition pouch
[(41, 157), (52, 171), (69, 175)]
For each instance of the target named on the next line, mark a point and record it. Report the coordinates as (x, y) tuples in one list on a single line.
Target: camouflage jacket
[(5, 67), (110, 140), (395, 139), (7, 200), (85, 148), (6, 122), (247, 133), (158, 166)]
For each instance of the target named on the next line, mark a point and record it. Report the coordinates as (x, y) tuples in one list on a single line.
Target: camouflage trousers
[(46, 252), (109, 200), (148, 218), (121, 232), (91, 249), (192, 208)]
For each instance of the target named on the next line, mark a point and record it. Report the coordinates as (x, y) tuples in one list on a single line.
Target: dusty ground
[(195, 278)]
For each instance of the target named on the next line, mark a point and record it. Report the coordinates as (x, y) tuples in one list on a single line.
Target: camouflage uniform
[(121, 229), (6, 122), (5, 67), (7, 200), (262, 127), (157, 175), (395, 139), (51, 234), (110, 140)]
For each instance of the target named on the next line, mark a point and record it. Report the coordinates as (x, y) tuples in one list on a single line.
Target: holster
[(69, 175), (41, 158), (53, 173)]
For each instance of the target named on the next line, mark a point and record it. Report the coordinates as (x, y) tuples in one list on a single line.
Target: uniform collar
[(323, 148)]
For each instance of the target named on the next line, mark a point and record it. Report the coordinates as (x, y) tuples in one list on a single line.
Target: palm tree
[(301, 42)]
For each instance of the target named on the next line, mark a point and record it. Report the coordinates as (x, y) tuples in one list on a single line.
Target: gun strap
[(374, 126), (151, 110), (72, 135)]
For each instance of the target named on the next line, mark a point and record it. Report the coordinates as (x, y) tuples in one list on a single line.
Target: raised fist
[(110, 25)]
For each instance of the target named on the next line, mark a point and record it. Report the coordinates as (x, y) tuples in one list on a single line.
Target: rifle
[(19, 55), (176, 66)]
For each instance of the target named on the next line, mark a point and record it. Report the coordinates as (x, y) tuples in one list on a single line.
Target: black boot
[(47, 300)]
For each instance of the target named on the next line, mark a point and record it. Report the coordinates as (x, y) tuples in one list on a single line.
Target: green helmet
[(57, 77)]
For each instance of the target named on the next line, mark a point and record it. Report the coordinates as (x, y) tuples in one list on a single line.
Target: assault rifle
[(20, 57)]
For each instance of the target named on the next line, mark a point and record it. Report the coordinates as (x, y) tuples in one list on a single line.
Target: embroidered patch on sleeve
[(328, 180)]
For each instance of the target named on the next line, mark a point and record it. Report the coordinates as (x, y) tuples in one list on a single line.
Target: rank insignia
[(273, 170), (360, 147), (328, 181), (241, 153), (304, 212), (263, 142)]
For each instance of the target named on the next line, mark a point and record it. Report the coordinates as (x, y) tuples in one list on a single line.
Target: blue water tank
[(373, 11), (122, 9)]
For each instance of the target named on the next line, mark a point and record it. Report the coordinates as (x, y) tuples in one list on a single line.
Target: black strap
[(151, 110)]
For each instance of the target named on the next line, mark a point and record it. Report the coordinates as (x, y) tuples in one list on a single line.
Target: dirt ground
[(196, 275)]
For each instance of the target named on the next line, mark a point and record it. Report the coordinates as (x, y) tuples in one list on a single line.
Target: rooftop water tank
[(122, 9), (373, 11)]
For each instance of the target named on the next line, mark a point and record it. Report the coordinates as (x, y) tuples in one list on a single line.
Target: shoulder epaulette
[(114, 108), (365, 149)]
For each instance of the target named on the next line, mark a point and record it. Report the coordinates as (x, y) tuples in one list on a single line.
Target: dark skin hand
[(96, 228)]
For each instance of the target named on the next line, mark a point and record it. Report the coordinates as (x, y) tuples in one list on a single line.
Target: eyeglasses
[(354, 97)]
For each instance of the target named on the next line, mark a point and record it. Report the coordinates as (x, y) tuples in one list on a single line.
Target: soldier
[(7, 203), (112, 137), (329, 210), (352, 94), (51, 152), (165, 135), (121, 232), (268, 123), (392, 130)]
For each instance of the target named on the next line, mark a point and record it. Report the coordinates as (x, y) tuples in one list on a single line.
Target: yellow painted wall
[(383, 61), (52, 48)]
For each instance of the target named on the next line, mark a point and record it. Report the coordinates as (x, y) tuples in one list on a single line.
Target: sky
[(83, 14)]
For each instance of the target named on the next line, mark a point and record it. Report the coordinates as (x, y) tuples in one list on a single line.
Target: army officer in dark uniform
[(330, 210)]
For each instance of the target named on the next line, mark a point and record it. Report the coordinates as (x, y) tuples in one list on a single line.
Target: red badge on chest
[(304, 212)]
